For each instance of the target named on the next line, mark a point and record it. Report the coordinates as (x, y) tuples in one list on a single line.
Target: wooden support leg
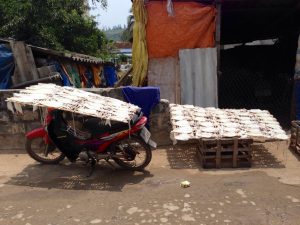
[(250, 154), (235, 153), (218, 155)]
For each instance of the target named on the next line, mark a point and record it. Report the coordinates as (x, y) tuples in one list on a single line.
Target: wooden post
[(177, 83), (250, 153), (40, 80), (235, 153), (120, 82), (218, 44), (218, 154), (25, 66)]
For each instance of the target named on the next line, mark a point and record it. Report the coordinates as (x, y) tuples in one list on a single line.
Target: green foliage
[(57, 24), (107, 49), (114, 33), (127, 34), (123, 58)]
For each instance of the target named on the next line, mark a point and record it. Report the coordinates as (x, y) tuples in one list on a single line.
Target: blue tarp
[(144, 97), (6, 67), (89, 76), (110, 75), (65, 79)]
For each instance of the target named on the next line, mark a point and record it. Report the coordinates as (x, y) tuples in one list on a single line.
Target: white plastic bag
[(170, 8)]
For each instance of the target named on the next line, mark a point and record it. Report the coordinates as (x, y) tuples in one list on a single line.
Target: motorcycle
[(129, 145)]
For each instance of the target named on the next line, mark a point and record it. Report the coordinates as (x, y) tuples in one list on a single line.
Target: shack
[(227, 54), (26, 64)]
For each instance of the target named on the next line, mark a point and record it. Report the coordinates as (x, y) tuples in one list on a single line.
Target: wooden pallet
[(225, 152), (295, 136)]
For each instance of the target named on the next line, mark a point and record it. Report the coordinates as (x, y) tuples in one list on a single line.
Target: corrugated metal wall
[(198, 73)]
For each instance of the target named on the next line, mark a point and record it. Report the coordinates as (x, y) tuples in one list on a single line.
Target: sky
[(115, 14)]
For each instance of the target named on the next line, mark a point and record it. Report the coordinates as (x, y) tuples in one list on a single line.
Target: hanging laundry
[(97, 69), (65, 79), (73, 73), (89, 75), (67, 74), (86, 75), (84, 80), (110, 75)]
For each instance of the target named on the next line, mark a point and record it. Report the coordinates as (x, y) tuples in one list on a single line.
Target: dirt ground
[(267, 193)]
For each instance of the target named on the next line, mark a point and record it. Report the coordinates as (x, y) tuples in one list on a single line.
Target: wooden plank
[(250, 154), (31, 64), (218, 155), (40, 80), (120, 82), (297, 132), (232, 152), (227, 141), (235, 153), (25, 66)]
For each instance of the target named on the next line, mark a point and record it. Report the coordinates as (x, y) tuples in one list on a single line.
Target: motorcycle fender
[(145, 135), (39, 132)]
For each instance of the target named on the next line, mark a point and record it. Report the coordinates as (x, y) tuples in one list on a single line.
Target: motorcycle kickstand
[(93, 165)]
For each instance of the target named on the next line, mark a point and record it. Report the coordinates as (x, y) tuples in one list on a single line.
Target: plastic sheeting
[(192, 26), (144, 97), (198, 73), (170, 8), (110, 75), (6, 67)]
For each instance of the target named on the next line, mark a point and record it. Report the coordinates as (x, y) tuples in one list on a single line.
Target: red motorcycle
[(129, 146)]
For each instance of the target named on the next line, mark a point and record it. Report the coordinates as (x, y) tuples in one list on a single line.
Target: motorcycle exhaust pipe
[(85, 157)]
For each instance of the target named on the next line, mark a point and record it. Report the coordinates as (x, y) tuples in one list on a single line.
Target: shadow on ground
[(262, 158), (74, 177), (185, 157), (295, 152)]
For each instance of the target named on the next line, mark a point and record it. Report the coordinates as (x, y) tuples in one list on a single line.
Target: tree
[(128, 32), (57, 24)]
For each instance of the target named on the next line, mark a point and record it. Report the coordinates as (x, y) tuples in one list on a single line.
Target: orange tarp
[(192, 26)]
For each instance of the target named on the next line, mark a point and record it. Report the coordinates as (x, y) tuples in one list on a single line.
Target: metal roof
[(69, 55)]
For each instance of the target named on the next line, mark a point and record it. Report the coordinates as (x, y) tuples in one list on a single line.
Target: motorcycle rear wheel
[(36, 149), (141, 151)]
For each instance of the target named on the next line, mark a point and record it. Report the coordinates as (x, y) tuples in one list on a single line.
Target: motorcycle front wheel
[(42, 152), (132, 153)]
